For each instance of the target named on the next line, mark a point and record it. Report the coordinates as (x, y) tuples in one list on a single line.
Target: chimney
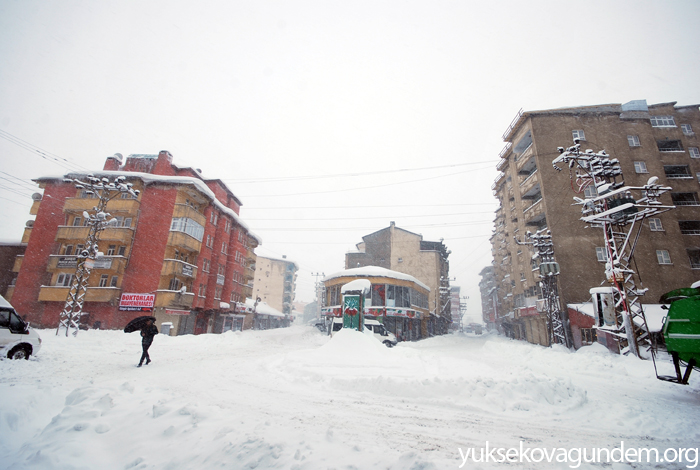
[(114, 162), (164, 164)]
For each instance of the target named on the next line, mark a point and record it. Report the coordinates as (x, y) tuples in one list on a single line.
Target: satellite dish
[(86, 214), (36, 197), (653, 180), (29, 224)]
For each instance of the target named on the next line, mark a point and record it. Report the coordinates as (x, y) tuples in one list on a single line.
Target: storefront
[(397, 300)]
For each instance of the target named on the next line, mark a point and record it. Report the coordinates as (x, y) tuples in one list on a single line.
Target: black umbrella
[(137, 323)]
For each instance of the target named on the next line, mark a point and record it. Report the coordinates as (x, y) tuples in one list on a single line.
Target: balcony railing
[(119, 234), (79, 204), (183, 240), (174, 299), (114, 264), (93, 294), (183, 210), (175, 267)]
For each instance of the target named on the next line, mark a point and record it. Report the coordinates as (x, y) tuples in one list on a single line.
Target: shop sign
[(137, 302), (187, 270), (103, 263), (402, 312), (177, 312), (331, 311), (67, 262)]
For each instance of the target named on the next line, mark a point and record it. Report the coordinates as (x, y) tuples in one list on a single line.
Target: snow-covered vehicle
[(17, 339), (377, 329)]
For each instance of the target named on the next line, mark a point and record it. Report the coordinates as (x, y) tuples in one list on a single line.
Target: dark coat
[(147, 333)]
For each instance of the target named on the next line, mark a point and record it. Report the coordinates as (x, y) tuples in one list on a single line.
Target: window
[(222, 269), (77, 221), (113, 283), (685, 199), (189, 226), (694, 258), (213, 217), (687, 129), (662, 121), (633, 140), (677, 171), (239, 257), (111, 250), (590, 192), (694, 152), (202, 290), (601, 253), (640, 167), (69, 250), (122, 250), (697, 175), (669, 145), (127, 222), (689, 227), (174, 284), (205, 265), (578, 134), (64, 279), (210, 241), (663, 257), (217, 293), (588, 336), (223, 247), (655, 225), (103, 280)]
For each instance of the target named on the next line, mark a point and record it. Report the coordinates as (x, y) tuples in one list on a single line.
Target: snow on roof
[(586, 309), (263, 308), (358, 284), (374, 271), (149, 178), (280, 259)]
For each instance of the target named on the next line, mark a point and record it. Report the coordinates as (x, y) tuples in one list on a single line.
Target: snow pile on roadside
[(296, 399)]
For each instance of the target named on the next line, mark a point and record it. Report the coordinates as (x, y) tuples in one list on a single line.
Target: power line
[(344, 175), (363, 187), (370, 218), (372, 207), (63, 162), (338, 229), (24, 182)]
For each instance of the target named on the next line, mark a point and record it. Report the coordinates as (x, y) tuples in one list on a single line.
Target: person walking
[(147, 333)]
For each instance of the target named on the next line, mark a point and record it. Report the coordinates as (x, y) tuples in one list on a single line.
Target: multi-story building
[(648, 140), (275, 282), (456, 308), (489, 297), (406, 252), (180, 249)]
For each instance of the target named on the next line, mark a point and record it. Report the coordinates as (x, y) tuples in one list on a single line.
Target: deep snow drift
[(295, 399)]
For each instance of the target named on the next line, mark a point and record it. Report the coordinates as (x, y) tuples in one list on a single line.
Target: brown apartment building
[(275, 282), (648, 140)]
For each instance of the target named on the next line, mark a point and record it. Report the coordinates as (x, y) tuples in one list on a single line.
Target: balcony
[(183, 210), (93, 294), (118, 234), (529, 182), (174, 299), (183, 240), (80, 204), (114, 264), (175, 267), (18, 263)]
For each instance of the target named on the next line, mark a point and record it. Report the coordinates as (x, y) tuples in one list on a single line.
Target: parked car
[(378, 329), (17, 339)]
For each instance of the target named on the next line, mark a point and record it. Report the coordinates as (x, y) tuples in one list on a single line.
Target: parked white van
[(378, 329), (17, 339)]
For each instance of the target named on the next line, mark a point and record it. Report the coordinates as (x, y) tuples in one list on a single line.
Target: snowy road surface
[(294, 399)]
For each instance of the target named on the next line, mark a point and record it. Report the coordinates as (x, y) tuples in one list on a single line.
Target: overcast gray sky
[(329, 119)]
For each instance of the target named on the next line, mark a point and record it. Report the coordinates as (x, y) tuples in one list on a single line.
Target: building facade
[(648, 140), (179, 250), (275, 282), (406, 252), (397, 300)]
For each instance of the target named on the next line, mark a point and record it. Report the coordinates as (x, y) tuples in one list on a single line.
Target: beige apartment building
[(275, 282), (406, 252), (648, 140)]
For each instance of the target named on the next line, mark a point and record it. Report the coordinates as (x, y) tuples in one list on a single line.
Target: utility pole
[(557, 324), (104, 190), (615, 208)]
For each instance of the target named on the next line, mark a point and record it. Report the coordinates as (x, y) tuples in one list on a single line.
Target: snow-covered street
[(295, 399)]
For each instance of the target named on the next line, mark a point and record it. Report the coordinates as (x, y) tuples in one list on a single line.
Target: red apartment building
[(180, 247)]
